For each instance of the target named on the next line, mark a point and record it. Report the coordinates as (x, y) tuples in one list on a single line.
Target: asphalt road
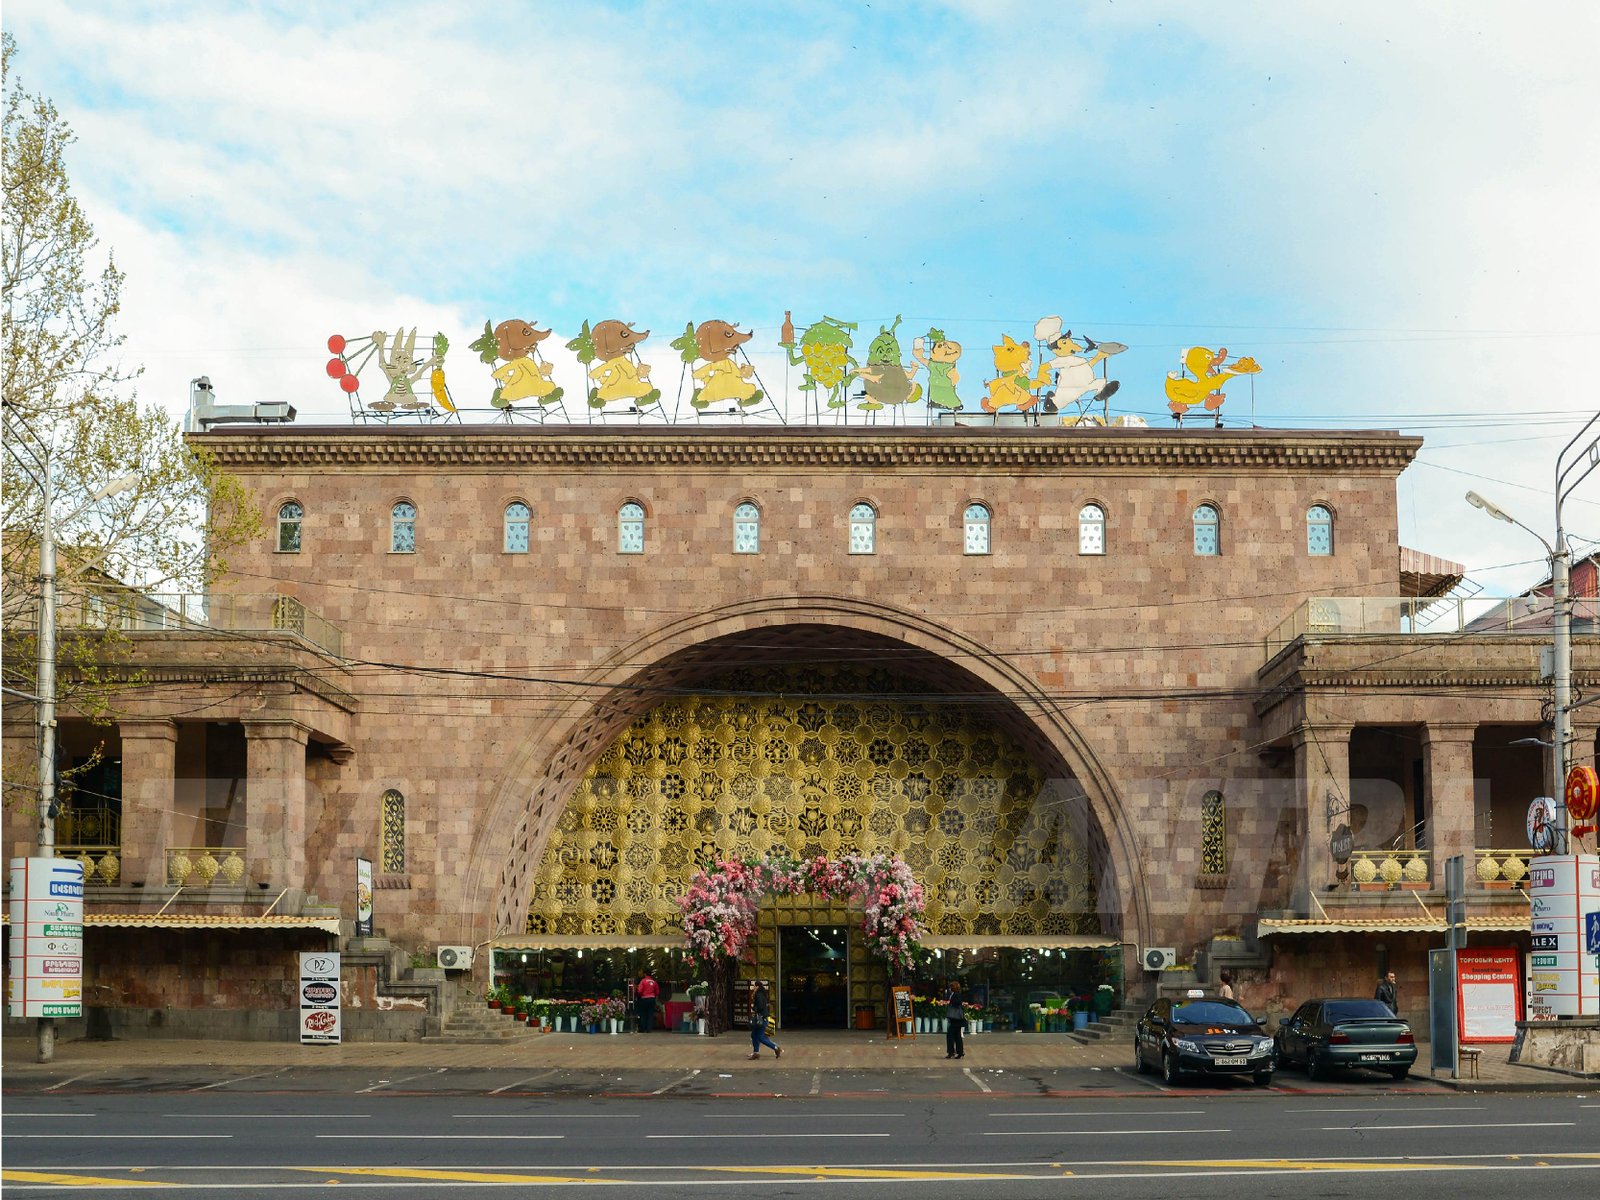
[(956, 1134)]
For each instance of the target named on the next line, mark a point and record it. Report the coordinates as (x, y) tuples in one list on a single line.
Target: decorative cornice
[(580, 447)]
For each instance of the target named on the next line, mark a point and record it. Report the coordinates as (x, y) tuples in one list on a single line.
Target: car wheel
[(1139, 1067), (1169, 1069), (1263, 1078), (1399, 1073), (1314, 1067)]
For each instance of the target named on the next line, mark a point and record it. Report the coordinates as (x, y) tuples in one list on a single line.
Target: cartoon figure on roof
[(1200, 382), (1076, 384), (526, 374), (939, 354), (721, 380), (824, 349), (1011, 386), (886, 379), (618, 373), (402, 370)]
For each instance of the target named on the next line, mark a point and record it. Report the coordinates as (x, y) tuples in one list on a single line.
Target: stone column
[(1322, 777), (149, 762), (275, 805), (1452, 798)]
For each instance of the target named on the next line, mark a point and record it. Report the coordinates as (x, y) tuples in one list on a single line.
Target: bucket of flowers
[(590, 1013), (616, 1012), (1105, 999)]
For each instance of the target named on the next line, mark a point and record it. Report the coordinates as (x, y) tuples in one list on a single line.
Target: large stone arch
[(679, 655)]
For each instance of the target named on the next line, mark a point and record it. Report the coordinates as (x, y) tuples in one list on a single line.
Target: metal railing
[(234, 612), (1323, 616), (1502, 866), (102, 865), (205, 866), (1391, 867)]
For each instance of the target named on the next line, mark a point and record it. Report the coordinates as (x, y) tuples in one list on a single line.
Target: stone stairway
[(1114, 1025), (477, 1024)]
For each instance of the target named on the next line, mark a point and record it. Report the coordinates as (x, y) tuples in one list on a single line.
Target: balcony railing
[(1390, 866), (1502, 866), (205, 866), (102, 865), (1323, 616), (238, 612)]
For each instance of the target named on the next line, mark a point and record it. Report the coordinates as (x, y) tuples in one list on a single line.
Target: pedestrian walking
[(645, 998), (955, 1024), (760, 1014), (1226, 990), (1388, 994)]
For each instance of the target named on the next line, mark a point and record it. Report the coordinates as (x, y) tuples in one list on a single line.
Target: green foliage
[(583, 345), (685, 344), (487, 347)]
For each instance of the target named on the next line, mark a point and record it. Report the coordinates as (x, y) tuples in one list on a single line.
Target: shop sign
[(1563, 888), (363, 898), (1488, 1001), (46, 943), (319, 999)]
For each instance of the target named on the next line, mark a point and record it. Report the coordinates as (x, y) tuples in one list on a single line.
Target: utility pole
[(46, 687), (1569, 474)]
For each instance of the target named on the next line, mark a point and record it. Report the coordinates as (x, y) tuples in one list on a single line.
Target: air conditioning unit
[(455, 958), (1159, 958)]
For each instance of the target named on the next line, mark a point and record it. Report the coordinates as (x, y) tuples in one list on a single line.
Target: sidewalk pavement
[(807, 1050)]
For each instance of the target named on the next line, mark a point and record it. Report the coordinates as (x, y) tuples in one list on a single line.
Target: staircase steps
[(477, 1024), (1113, 1025)]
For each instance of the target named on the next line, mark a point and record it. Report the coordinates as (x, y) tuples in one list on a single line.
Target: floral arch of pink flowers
[(719, 910)]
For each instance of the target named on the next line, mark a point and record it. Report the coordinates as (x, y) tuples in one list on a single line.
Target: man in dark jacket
[(1386, 992), (955, 1024)]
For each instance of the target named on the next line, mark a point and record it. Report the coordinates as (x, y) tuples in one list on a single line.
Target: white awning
[(1267, 927), (205, 921)]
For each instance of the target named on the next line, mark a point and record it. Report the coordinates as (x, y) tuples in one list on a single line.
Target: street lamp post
[(46, 682)]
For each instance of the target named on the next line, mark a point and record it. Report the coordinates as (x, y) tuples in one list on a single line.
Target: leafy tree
[(70, 406)]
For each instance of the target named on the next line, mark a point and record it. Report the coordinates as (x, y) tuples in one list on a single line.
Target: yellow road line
[(78, 1180), (863, 1173), (452, 1176), (1300, 1164)]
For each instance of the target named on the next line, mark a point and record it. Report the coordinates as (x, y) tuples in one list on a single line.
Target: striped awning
[(1003, 942), (203, 921), (534, 941), (1267, 927)]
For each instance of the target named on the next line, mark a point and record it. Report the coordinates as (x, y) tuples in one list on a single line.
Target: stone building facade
[(449, 632)]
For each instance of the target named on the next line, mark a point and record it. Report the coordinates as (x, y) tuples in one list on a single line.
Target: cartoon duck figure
[(888, 381), (525, 375), (1012, 386), (721, 379), (619, 374), (1210, 371), (824, 348), (939, 354)]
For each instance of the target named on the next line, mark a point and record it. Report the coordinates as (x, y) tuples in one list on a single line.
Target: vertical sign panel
[(1562, 980), (319, 999), (46, 938), (1488, 996), (363, 898)]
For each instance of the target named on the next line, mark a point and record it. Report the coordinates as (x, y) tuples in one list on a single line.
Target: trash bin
[(1080, 1020), (865, 1017)]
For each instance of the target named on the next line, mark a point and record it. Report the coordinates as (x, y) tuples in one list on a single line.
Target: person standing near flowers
[(955, 1024), (646, 994), (761, 1012)]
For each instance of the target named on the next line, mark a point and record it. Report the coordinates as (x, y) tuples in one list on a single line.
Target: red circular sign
[(320, 1022), (1583, 792)]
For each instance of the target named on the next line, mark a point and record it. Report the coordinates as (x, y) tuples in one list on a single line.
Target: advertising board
[(46, 942), (1562, 978), (1488, 995), (319, 999)]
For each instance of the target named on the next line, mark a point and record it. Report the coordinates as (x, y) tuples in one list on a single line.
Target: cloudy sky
[(1389, 205)]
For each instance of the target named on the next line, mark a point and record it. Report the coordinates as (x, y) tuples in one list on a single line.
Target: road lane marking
[(816, 1083), (441, 1137), (684, 1137), (269, 1116), (668, 1087), (1407, 1109), (77, 1180), (923, 1173), (164, 1137), (382, 1083), (1452, 1125), (1034, 1133), (547, 1116), (52, 1115), (520, 1082), (1121, 1112), (65, 1082), (967, 1071), (446, 1176), (206, 1087)]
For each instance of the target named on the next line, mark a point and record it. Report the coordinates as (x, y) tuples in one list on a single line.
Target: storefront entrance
[(814, 974)]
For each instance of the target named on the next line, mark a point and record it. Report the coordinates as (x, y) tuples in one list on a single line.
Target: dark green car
[(1328, 1034)]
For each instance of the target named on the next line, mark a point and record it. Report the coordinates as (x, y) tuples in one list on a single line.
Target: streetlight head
[(1530, 742), (1498, 514)]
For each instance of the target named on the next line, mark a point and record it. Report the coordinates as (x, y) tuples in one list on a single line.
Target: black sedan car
[(1344, 1032), (1202, 1035)]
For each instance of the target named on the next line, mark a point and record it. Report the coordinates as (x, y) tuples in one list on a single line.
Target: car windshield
[(1210, 1012), (1357, 1010)]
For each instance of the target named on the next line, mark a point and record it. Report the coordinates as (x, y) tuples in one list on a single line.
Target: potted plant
[(494, 997), (697, 992), (1105, 999)]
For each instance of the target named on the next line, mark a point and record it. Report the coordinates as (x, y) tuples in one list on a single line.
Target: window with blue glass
[(403, 528), (1207, 531), (747, 529), (519, 517), (630, 529)]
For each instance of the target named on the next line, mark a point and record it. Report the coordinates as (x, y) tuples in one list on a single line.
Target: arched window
[(863, 529), (977, 522), (630, 529), (518, 518), (1319, 531), (1213, 834), (1207, 531), (403, 528), (747, 529), (392, 858), (1091, 529), (289, 518)]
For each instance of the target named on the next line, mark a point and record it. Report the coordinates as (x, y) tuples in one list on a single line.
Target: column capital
[(152, 728), (1322, 733), (1448, 731), (276, 728)]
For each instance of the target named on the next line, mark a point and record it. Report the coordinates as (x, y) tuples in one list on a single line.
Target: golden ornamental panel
[(705, 775)]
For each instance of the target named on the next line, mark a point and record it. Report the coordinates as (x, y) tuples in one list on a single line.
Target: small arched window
[(392, 839), (518, 518), (1091, 529), (403, 528), (630, 529), (1319, 531), (289, 517), (747, 529), (1213, 834), (863, 529), (977, 520), (1207, 531)]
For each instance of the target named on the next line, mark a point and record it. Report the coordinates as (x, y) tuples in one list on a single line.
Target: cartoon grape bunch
[(824, 349)]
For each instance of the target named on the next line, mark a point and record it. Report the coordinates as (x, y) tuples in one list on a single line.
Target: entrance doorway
[(814, 976)]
